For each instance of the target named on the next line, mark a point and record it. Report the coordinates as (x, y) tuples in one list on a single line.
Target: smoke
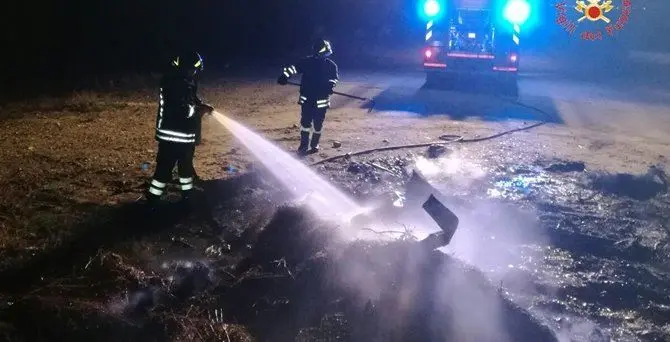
[(499, 238), (407, 281), (493, 235)]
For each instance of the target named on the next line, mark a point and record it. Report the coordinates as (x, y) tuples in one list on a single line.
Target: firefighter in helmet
[(319, 77), (178, 124)]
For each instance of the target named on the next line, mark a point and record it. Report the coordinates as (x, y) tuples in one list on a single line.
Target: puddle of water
[(516, 188), (581, 250)]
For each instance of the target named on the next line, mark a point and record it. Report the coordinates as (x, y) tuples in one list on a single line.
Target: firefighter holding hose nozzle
[(319, 77), (178, 125)]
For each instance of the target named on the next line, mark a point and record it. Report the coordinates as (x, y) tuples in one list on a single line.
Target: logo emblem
[(589, 14), (594, 11)]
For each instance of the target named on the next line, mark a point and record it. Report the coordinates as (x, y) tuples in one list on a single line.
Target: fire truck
[(473, 37)]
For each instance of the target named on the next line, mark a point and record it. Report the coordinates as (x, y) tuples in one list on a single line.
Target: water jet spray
[(322, 197), (319, 195)]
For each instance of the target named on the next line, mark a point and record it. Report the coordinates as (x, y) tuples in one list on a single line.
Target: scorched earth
[(563, 229)]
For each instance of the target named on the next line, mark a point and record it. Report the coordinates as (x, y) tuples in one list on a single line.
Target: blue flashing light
[(516, 11), (431, 8)]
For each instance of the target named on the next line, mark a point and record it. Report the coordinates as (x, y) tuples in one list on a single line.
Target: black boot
[(304, 142), (315, 142), (152, 202), (187, 200), (197, 181)]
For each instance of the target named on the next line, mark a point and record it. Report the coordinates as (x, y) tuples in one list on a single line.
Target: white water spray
[(322, 197)]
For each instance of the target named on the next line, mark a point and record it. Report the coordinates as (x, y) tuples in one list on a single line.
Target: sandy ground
[(65, 158), (99, 149), (405, 112)]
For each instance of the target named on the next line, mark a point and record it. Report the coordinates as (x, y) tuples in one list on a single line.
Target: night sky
[(47, 39), (121, 35)]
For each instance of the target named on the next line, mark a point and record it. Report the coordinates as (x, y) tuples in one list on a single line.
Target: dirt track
[(92, 148), (69, 161)]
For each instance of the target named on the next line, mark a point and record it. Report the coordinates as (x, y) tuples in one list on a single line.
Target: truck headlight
[(431, 8), (517, 11)]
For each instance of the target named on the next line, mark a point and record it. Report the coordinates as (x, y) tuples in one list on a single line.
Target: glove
[(206, 109), (283, 80)]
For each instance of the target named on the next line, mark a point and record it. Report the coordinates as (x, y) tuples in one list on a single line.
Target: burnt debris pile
[(281, 275), (640, 187)]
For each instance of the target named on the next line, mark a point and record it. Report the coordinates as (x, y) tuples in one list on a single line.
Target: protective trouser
[(168, 155), (311, 121)]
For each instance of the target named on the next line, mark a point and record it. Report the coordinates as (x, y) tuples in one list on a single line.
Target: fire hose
[(446, 139), (369, 100)]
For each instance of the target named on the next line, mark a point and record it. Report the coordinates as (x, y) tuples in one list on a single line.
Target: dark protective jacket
[(319, 77), (178, 118)]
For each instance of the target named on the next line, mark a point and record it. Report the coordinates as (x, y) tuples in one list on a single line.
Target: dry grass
[(66, 166), (66, 163), (61, 157)]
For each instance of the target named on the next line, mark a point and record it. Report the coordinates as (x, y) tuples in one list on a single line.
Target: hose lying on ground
[(456, 138)]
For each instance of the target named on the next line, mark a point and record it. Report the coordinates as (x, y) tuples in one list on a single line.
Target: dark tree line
[(86, 36)]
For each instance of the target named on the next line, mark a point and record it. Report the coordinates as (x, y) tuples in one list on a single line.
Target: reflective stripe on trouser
[(325, 103), (186, 183), (312, 117), (320, 103), (169, 155), (156, 187), (175, 136)]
